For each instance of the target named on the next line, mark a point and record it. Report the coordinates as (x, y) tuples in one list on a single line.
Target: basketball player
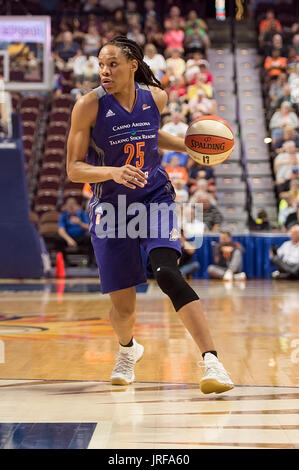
[(113, 145)]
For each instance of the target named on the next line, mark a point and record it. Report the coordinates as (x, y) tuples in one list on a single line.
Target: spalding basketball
[(209, 140)]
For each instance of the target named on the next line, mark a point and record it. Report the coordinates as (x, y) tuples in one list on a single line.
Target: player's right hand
[(129, 176)]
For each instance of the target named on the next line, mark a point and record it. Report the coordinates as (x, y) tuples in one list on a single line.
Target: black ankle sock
[(127, 345), (212, 352)]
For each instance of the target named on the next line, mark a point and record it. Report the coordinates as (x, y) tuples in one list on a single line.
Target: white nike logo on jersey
[(110, 113), (144, 107)]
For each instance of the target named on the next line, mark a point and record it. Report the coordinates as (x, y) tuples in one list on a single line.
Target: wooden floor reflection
[(57, 350)]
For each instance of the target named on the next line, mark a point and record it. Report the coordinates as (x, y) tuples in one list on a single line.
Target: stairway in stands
[(244, 183)]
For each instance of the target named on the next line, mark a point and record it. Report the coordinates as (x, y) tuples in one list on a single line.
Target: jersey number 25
[(131, 150)]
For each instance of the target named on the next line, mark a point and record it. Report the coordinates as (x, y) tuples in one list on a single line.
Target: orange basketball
[(209, 140)]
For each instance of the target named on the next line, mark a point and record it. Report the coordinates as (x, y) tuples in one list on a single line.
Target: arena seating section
[(244, 183)]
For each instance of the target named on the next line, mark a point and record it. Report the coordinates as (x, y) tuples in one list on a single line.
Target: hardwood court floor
[(57, 350)]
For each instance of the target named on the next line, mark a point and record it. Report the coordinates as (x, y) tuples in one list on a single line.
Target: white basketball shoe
[(123, 372), (216, 379)]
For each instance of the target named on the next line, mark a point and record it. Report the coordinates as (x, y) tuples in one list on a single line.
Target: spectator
[(67, 51), (150, 11), (292, 60), (293, 77), (281, 118), (286, 257), (155, 61), (175, 104), (168, 155), (276, 89), (176, 62), (192, 223), (81, 89), (176, 126), (212, 217), (292, 218), (285, 97), (86, 68), (192, 66), (287, 206), (73, 228), (181, 191), (187, 265), (132, 15), (274, 65), (201, 105), (174, 18), (197, 83), (154, 35), (87, 194), (288, 134), (284, 164), (174, 37), (120, 22), (135, 34), (92, 41), (196, 40), (266, 23), (227, 259), (295, 44), (277, 45), (178, 85), (202, 184), (196, 170), (261, 223), (176, 171), (193, 20)]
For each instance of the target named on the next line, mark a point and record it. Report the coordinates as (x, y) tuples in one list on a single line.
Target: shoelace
[(124, 362), (214, 368)]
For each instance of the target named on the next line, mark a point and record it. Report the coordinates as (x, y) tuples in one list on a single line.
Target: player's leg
[(122, 314), (121, 269), (122, 317), (188, 305)]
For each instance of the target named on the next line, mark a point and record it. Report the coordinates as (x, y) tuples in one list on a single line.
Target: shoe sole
[(120, 381), (213, 386)]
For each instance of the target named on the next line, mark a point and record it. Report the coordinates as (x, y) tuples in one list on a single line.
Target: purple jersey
[(121, 137)]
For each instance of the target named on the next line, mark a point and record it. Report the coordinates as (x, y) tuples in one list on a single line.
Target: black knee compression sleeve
[(169, 278)]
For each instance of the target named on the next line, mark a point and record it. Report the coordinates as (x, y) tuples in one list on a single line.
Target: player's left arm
[(166, 141)]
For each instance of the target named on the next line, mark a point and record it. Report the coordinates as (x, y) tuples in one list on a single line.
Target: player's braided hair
[(132, 50)]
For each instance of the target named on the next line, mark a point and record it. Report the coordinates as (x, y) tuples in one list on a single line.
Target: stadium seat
[(228, 169), (50, 171), (48, 229), (57, 128), (31, 101), (29, 128), (261, 183), (263, 198), (59, 114), (76, 193), (63, 101), (51, 216), (229, 184), (259, 169), (29, 114), (55, 142), (47, 185), (47, 177)]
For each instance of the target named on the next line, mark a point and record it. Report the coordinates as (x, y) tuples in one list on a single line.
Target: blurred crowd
[(279, 56), (176, 48)]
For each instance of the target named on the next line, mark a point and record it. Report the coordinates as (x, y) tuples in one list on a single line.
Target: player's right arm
[(83, 118)]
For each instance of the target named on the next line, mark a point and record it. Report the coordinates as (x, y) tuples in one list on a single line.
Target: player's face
[(115, 70)]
